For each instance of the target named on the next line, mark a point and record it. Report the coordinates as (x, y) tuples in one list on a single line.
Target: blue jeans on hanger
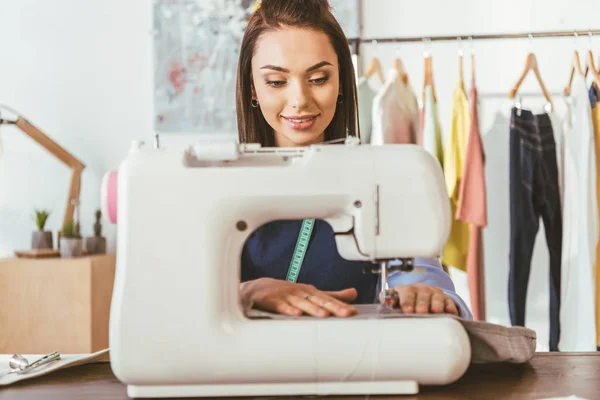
[(534, 193)]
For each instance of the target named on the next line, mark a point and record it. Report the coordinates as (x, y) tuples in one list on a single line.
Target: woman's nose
[(300, 96)]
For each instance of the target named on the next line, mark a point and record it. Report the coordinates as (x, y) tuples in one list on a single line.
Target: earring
[(254, 103), (340, 99)]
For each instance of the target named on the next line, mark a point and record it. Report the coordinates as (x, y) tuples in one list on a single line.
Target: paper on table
[(65, 361)]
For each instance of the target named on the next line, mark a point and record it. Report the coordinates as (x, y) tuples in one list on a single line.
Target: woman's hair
[(312, 14)]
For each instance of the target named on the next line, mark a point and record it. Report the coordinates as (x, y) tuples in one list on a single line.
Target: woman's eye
[(319, 81), (275, 83)]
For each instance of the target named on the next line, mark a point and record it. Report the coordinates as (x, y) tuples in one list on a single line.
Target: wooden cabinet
[(55, 304)]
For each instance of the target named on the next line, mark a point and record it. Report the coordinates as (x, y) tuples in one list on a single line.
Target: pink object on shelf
[(109, 195)]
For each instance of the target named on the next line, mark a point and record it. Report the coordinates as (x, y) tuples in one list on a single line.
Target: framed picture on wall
[(195, 50)]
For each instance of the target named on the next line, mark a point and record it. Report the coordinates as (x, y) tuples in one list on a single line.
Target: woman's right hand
[(294, 299)]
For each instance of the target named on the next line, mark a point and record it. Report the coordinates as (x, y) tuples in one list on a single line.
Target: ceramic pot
[(70, 247), (95, 245), (41, 240)]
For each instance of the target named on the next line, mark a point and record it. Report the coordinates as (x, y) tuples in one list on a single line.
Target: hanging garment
[(457, 246), (533, 194), (395, 113), (472, 209), (432, 134), (365, 105), (580, 232), (594, 94), (410, 106), (557, 128), (421, 124)]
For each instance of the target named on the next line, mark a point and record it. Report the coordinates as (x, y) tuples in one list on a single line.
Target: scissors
[(19, 364)]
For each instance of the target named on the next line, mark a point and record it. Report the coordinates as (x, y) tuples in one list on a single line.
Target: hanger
[(575, 67), (590, 65), (472, 62), (428, 74), (375, 68), (531, 64), (399, 66)]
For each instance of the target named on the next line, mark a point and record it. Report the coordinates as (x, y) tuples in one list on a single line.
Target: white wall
[(81, 71), (499, 64)]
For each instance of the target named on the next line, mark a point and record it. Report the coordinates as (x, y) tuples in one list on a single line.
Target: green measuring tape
[(300, 250)]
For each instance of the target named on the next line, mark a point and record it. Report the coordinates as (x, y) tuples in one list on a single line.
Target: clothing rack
[(355, 42)]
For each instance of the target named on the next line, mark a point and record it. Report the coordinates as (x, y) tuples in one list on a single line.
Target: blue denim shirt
[(268, 252)]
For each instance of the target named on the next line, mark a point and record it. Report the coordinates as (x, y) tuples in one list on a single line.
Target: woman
[(296, 87)]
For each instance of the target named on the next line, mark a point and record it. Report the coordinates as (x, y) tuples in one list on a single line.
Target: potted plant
[(96, 244), (70, 240), (41, 239)]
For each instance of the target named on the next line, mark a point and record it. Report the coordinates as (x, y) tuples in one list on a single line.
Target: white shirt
[(580, 225), (365, 105)]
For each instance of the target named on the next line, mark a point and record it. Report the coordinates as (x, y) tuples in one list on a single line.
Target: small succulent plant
[(41, 216), (97, 224), (71, 230)]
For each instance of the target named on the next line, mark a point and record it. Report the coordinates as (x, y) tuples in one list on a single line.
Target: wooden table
[(547, 375)]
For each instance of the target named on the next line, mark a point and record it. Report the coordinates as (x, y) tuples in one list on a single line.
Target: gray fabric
[(497, 343), (489, 342)]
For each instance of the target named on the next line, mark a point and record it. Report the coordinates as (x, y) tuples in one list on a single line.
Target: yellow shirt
[(596, 122), (457, 247)]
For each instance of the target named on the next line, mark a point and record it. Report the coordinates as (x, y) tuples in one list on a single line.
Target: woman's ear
[(252, 89)]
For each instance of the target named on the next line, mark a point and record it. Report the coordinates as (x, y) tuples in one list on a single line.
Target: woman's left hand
[(423, 299)]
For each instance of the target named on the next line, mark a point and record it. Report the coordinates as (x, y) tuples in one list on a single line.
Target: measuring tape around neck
[(300, 250)]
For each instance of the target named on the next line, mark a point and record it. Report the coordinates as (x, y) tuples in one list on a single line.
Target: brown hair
[(274, 14)]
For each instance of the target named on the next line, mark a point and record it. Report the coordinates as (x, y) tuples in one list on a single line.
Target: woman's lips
[(301, 123)]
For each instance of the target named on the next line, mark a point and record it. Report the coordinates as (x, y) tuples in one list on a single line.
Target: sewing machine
[(177, 328)]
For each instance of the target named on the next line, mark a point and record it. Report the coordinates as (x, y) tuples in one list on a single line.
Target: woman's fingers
[(295, 299), (450, 306), (278, 305), (406, 299), (336, 307), (306, 304), (438, 302), (346, 295), (321, 305), (423, 301)]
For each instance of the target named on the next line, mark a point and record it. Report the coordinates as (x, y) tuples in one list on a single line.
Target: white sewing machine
[(177, 328)]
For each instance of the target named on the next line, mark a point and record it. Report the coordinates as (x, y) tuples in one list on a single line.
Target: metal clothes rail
[(355, 42)]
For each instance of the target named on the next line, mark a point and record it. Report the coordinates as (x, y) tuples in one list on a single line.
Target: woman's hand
[(424, 299), (294, 299)]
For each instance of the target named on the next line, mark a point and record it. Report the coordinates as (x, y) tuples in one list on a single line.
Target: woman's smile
[(300, 122)]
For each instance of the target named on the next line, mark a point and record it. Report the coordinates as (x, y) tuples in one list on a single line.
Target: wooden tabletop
[(547, 375)]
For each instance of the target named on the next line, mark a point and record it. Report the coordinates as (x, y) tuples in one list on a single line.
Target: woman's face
[(296, 82)]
